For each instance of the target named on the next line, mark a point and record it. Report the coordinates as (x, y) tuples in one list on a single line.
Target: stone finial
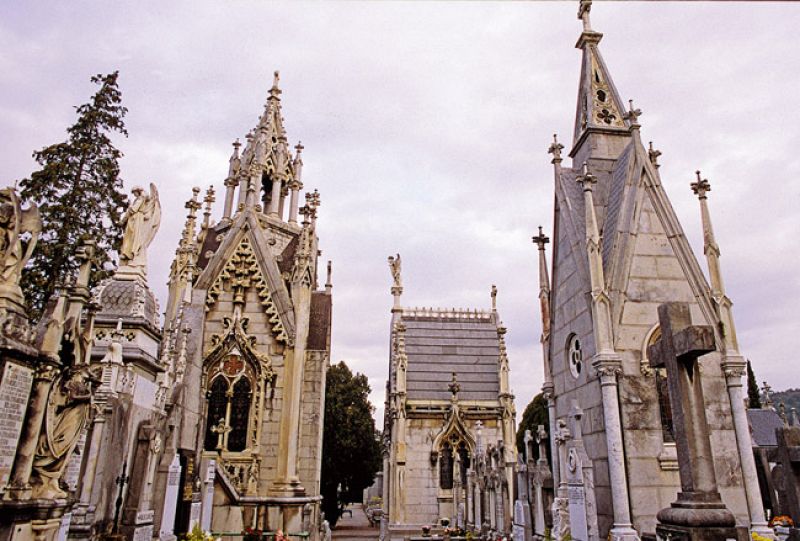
[(653, 154), (328, 282), (767, 390), (586, 179), (701, 186), (395, 268), (192, 205), (494, 298), (209, 201), (632, 114), (555, 149), (454, 388), (541, 239), (584, 7), (275, 91), (312, 204)]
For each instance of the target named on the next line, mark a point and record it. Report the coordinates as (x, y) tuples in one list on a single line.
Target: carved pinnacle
[(701, 186)]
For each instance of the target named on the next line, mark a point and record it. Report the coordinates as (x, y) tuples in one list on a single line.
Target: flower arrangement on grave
[(426, 531), (444, 521), (455, 531), (280, 537), (781, 520), (252, 534), (757, 537), (197, 534)]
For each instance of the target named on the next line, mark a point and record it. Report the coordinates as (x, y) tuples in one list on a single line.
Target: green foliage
[(535, 414), (79, 193), (789, 398), (351, 448), (753, 393)]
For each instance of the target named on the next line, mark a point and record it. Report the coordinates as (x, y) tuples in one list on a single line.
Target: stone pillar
[(276, 195), (733, 379), (294, 194), (230, 189), (385, 495), (19, 485)]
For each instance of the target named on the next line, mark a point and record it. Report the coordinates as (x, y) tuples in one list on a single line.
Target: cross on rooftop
[(541, 239), (701, 186)]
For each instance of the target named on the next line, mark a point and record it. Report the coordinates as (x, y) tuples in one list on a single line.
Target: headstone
[(170, 500), (63, 530), (699, 512), (580, 483), (541, 475), (144, 526), (73, 470), (208, 496), (522, 527), (15, 389), (194, 511), (788, 455)]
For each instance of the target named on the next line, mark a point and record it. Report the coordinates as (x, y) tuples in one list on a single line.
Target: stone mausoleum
[(447, 397)]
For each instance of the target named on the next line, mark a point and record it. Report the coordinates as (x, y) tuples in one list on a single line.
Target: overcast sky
[(426, 127)]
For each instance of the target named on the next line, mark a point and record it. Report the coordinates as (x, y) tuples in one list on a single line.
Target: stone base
[(668, 532), (623, 534)]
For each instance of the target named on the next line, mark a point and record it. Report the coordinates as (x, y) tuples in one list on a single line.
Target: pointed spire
[(187, 239), (209, 200), (599, 105)]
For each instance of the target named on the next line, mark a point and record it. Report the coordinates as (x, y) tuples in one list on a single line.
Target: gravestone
[(580, 483), (170, 500), (15, 388), (144, 526), (73, 470), (208, 496), (788, 456), (542, 477), (699, 513), (63, 529), (522, 526), (194, 510)]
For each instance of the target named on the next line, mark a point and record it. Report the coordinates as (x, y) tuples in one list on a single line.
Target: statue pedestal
[(126, 272)]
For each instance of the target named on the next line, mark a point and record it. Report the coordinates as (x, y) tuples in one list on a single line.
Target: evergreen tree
[(535, 414), (79, 193), (351, 448), (753, 392)]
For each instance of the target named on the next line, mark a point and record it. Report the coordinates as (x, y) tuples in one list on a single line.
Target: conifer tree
[(79, 193), (753, 392)]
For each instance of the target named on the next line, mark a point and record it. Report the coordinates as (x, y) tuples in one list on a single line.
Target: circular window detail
[(575, 356)]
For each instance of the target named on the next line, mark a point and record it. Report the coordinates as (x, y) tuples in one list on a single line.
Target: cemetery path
[(354, 527)]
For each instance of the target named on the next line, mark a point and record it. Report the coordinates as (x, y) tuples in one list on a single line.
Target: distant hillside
[(790, 397)]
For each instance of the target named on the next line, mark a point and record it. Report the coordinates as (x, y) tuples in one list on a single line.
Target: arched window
[(664, 406), (662, 390), (446, 467), (463, 454), (230, 397)]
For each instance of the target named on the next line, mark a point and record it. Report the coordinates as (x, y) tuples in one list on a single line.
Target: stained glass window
[(217, 406), (664, 406), (446, 467), (240, 415)]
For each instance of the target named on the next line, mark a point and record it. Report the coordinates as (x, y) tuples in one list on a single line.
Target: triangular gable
[(645, 209), (246, 244)]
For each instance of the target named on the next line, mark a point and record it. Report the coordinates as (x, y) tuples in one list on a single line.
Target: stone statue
[(14, 223), (394, 266), (141, 223), (68, 409)]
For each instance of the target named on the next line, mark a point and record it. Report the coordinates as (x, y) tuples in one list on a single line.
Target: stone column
[(294, 194), (19, 485), (733, 379), (230, 189), (208, 496), (276, 195)]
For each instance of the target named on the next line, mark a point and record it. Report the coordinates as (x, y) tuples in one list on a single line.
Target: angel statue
[(68, 409), (15, 223), (394, 266), (141, 223)]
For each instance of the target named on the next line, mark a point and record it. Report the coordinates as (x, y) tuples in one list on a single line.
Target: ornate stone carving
[(395, 266), (68, 409), (243, 271), (141, 222), (14, 223)]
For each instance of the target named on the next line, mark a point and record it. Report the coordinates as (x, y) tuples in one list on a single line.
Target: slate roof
[(437, 346), (763, 423)]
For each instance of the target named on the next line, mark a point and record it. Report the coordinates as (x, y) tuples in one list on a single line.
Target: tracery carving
[(241, 272), (604, 109)]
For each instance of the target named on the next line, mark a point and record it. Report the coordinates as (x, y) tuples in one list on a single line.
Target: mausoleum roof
[(440, 342)]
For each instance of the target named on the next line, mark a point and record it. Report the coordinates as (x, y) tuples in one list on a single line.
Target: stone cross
[(221, 429), (678, 350), (555, 149), (527, 439), (767, 390), (541, 439)]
